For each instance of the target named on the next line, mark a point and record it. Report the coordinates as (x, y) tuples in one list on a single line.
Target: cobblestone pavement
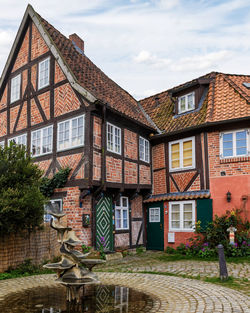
[(149, 263), (172, 294)]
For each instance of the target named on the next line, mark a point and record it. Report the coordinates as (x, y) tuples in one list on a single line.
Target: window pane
[(187, 153), (228, 144), (190, 102), (241, 143), (175, 155), (125, 202), (175, 216), (182, 104)]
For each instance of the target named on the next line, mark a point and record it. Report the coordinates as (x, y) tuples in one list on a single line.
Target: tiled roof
[(187, 195), (226, 98), (89, 76)]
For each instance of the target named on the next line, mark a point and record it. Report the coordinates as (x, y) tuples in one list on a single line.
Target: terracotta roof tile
[(94, 80), (227, 98)]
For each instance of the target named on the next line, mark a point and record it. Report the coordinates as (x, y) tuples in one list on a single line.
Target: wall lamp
[(229, 196)]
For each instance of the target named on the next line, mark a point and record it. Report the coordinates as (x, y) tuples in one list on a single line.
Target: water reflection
[(94, 298)]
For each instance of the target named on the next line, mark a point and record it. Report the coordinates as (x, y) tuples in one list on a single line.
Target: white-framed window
[(15, 88), (113, 138), (20, 140), (234, 143), (154, 215), (182, 216), (122, 213), (70, 133), (41, 141), (182, 154), (58, 203), (186, 103), (144, 149), (43, 73), (121, 299), (2, 144)]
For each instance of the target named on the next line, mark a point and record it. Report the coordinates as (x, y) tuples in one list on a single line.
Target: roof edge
[(30, 12)]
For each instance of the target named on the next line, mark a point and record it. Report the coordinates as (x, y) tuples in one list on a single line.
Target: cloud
[(146, 45), (147, 58), (200, 62)]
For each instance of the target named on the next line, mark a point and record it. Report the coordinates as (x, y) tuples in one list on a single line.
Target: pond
[(94, 298)]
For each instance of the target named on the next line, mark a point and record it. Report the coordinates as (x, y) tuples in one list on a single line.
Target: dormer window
[(186, 103)]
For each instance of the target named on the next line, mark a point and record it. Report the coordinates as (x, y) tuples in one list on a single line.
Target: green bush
[(86, 249), (21, 201), (170, 250)]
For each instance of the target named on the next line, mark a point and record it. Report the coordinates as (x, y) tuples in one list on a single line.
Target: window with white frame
[(43, 73), (20, 140), (41, 141), (70, 133), (15, 89), (154, 215), (122, 213), (182, 216), (186, 103), (182, 154), (2, 144), (234, 143), (144, 149), (121, 299), (113, 138), (57, 204)]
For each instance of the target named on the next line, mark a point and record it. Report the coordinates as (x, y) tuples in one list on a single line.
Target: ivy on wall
[(59, 180)]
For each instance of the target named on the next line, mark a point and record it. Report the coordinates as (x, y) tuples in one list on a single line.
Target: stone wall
[(38, 246)]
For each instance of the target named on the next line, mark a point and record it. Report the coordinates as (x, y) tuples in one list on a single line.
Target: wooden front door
[(155, 226), (104, 225)]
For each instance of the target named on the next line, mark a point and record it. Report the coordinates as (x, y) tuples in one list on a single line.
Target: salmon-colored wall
[(180, 237), (238, 186)]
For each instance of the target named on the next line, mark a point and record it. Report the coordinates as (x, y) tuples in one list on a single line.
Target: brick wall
[(39, 46), (71, 206), (59, 76), (72, 161), (130, 170), (38, 246), (145, 175), (130, 144), (158, 156), (65, 100), (236, 180), (97, 165), (113, 170), (159, 182), (3, 123), (3, 100), (44, 100), (97, 132), (22, 57)]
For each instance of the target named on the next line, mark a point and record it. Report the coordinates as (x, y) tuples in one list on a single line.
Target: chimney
[(77, 41)]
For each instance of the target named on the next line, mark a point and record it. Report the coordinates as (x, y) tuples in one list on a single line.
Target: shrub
[(85, 249), (21, 201), (170, 250)]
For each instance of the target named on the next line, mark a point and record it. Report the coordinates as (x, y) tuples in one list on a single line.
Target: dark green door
[(104, 226), (155, 226)]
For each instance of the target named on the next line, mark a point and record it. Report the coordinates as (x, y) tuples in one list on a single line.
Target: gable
[(23, 54)]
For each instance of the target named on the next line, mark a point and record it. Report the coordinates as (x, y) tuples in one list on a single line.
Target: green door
[(104, 226), (155, 226)]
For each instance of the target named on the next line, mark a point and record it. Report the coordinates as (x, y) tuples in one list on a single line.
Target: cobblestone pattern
[(172, 294), (191, 268)]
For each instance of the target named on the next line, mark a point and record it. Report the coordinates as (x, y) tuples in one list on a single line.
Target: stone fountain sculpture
[(74, 270)]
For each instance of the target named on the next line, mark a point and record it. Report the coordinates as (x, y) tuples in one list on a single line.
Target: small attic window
[(247, 85), (186, 103)]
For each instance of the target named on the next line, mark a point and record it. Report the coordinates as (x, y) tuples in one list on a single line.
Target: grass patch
[(178, 257), (25, 269)]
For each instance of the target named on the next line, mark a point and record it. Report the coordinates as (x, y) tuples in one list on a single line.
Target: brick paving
[(171, 294), (149, 263)]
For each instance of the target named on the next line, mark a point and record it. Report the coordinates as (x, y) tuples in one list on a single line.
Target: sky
[(146, 46)]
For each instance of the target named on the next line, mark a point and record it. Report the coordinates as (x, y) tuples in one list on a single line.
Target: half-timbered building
[(142, 173), (68, 113), (201, 160)]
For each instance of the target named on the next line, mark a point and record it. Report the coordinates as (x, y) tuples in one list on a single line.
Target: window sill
[(70, 148), (235, 159)]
